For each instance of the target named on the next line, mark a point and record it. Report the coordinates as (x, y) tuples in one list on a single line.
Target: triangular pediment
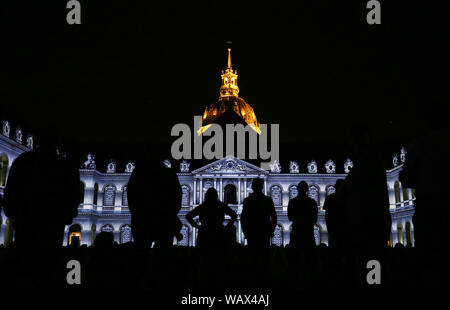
[(230, 165)]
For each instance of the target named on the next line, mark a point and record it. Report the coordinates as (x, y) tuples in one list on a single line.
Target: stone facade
[(105, 204)]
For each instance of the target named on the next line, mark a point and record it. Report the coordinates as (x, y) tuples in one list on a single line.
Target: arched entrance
[(74, 236), (230, 194)]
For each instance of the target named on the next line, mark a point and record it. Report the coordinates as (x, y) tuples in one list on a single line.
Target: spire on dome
[(229, 80)]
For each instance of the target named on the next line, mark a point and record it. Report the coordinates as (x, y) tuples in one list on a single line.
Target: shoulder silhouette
[(335, 216), (258, 217), (42, 182), (366, 195), (211, 214), (302, 211), (154, 198)]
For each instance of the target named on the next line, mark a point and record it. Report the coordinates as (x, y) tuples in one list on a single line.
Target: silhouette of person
[(41, 181), (335, 216), (368, 220), (211, 213), (154, 199), (258, 217), (104, 240), (302, 211), (426, 170)]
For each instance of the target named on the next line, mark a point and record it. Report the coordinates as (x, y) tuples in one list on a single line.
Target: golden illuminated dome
[(229, 101)]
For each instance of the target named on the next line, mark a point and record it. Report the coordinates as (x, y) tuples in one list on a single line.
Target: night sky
[(133, 69)]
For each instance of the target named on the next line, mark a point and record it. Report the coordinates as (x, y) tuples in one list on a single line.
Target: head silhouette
[(211, 195), (257, 185), (302, 187)]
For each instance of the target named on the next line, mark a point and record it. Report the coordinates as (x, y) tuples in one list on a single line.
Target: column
[(239, 230), (405, 240), (391, 192), (221, 190), (394, 235), (195, 192), (215, 184), (194, 236), (265, 186), (201, 191), (239, 191), (245, 188), (322, 196)]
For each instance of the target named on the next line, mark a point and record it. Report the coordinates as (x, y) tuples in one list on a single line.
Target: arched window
[(293, 191), (125, 233), (314, 193), (107, 228), (331, 190), (185, 198), (397, 191), (230, 194), (275, 193), (408, 233), (278, 236), (95, 194), (317, 234), (81, 193), (125, 196), (400, 233), (405, 194), (185, 233), (3, 169), (74, 236), (109, 195)]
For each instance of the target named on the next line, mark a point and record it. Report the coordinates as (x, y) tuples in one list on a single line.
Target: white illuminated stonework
[(129, 167), (293, 167), (395, 160), (403, 155), (105, 202), (6, 128), (90, 162), (19, 135), (184, 166), (312, 167), (111, 168), (348, 165), (30, 142), (330, 167), (275, 167)]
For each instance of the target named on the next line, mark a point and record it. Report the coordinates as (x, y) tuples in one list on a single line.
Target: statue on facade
[(293, 167), (90, 162)]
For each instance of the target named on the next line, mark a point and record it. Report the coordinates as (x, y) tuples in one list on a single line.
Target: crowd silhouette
[(44, 186)]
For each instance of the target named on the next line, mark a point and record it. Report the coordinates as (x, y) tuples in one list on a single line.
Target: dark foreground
[(183, 269)]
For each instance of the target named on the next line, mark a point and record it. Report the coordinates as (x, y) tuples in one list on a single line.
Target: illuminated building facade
[(105, 204)]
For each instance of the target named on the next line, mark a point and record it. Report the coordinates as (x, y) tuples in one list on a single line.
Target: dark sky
[(135, 68)]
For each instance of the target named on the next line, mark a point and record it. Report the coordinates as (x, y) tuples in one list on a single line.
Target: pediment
[(230, 165)]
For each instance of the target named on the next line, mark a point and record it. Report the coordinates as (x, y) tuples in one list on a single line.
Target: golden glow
[(74, 234), (203, 129), (229, 80), (229, 91)]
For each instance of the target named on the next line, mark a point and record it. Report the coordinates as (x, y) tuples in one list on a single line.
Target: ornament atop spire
[(229, 79), (229, 58)]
